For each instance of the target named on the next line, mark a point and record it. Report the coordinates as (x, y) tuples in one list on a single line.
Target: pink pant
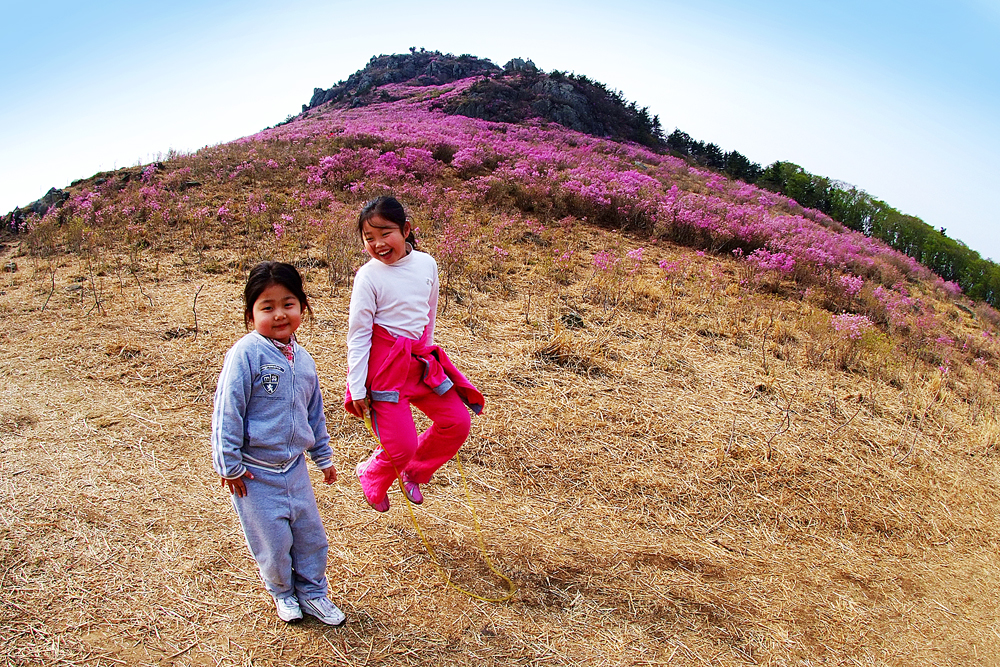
[(418, 456)]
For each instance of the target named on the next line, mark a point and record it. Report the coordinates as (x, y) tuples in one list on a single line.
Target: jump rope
[(511, 588)]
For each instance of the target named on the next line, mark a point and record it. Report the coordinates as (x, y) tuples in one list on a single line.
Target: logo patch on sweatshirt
[(270, 382)]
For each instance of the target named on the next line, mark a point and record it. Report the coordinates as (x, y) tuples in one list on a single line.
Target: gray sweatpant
[(284, 532)]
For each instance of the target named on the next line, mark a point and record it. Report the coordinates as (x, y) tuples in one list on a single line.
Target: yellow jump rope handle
[(511, 588)]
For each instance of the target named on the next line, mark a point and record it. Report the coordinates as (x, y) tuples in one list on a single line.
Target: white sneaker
[(288, 609), (324, 610)]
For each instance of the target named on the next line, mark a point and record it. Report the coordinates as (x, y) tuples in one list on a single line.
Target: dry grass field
[(684, 477)]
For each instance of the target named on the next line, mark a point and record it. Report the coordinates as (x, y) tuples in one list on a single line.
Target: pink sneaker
[(379, 506), (412, 490)]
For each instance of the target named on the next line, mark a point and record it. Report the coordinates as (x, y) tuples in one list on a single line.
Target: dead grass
[(663, 490)]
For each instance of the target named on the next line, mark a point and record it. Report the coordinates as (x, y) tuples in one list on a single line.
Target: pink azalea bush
[(851, 284), (851, 326)]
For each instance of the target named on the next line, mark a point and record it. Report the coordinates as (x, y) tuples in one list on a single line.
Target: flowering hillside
[(721, 428), (305, 178)]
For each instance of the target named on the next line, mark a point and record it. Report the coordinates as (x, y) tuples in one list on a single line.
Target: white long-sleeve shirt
[(400, 297)]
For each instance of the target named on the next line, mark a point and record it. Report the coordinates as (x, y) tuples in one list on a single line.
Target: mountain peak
[(516, 93), (419, 67)]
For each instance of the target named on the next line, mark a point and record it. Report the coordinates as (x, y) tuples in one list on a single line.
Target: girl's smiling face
[(277, 313), (384, 240)]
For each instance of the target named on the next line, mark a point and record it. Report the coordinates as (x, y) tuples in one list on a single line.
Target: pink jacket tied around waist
[(394, 356)]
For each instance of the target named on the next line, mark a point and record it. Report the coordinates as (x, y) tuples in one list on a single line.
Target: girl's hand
[(236, 486), (329, 475), (362, 406)]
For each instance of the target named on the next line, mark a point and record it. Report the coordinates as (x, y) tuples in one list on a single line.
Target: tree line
[(951, 259)]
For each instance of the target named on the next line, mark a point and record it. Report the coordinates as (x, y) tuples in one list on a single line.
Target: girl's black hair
[(390, 210), (266, 274)]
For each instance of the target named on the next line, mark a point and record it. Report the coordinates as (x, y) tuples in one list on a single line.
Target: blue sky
[(901, 99)]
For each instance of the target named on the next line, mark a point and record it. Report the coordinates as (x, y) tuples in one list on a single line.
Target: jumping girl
[(392, 361), (268, 412)]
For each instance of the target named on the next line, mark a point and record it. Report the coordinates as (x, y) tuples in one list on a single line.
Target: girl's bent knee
[(457, 426)]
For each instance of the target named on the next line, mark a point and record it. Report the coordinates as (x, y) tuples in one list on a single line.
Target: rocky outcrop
[(518, 65), (419, 68), (516, 93), (14, 221), (523, 92)]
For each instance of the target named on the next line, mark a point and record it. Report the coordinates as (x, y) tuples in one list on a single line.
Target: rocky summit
[(515, 93)]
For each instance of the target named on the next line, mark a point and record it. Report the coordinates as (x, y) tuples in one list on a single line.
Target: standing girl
[(268, 412), (392, 361)]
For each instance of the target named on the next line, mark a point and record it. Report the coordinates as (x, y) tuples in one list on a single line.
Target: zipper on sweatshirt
[(291, 409)]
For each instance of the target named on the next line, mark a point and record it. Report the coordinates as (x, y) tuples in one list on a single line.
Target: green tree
[(738, 166)]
